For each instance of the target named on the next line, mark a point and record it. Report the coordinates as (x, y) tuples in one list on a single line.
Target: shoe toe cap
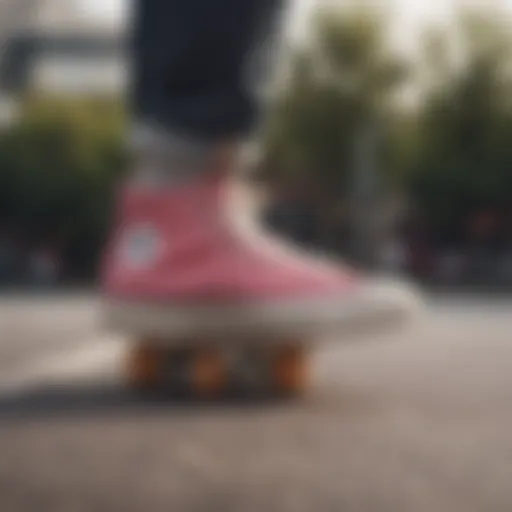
[(397, 298)]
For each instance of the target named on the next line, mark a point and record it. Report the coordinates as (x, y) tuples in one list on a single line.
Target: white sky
[(410, 15), (411, 11)]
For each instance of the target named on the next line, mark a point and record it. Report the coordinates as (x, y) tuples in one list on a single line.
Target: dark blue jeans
[(196, 61)]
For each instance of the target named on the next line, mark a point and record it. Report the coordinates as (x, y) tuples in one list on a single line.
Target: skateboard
[(213, 370), (241, 356)]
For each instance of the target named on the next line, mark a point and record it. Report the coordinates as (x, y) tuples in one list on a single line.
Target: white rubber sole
[(375, 308)]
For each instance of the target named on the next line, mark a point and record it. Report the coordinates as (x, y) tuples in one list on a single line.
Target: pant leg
[(192, 64)]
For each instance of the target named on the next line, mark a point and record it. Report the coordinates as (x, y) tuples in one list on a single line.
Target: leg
[(194, 64)]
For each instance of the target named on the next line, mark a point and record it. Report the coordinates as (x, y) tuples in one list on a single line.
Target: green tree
[(331, 130), (59, 164), (342, 78), (463, 153)]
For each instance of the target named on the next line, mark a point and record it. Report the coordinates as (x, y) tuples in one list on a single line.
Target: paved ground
[(419, 423)]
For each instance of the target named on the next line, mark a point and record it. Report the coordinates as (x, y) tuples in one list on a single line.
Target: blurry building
[(53, 45)]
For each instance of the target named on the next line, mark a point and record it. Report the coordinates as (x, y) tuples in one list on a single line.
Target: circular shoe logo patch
[(140, 246)]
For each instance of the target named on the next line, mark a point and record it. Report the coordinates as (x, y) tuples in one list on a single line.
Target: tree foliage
[(463, 158), (59, 163), (453, 152), (341, 79)]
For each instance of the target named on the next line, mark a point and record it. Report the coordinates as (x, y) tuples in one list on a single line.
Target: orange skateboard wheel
[(144, 363), (208, 373), (291, 370)]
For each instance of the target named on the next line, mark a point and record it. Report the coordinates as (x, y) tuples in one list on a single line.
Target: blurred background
[(389, 143)]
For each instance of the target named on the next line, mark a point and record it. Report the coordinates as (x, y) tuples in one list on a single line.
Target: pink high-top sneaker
[(179, 265)]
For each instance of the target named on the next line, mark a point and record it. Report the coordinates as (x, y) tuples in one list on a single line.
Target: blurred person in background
[(198, 72), (44, 266)]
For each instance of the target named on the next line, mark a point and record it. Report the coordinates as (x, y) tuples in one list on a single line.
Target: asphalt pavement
[(420, 421)]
